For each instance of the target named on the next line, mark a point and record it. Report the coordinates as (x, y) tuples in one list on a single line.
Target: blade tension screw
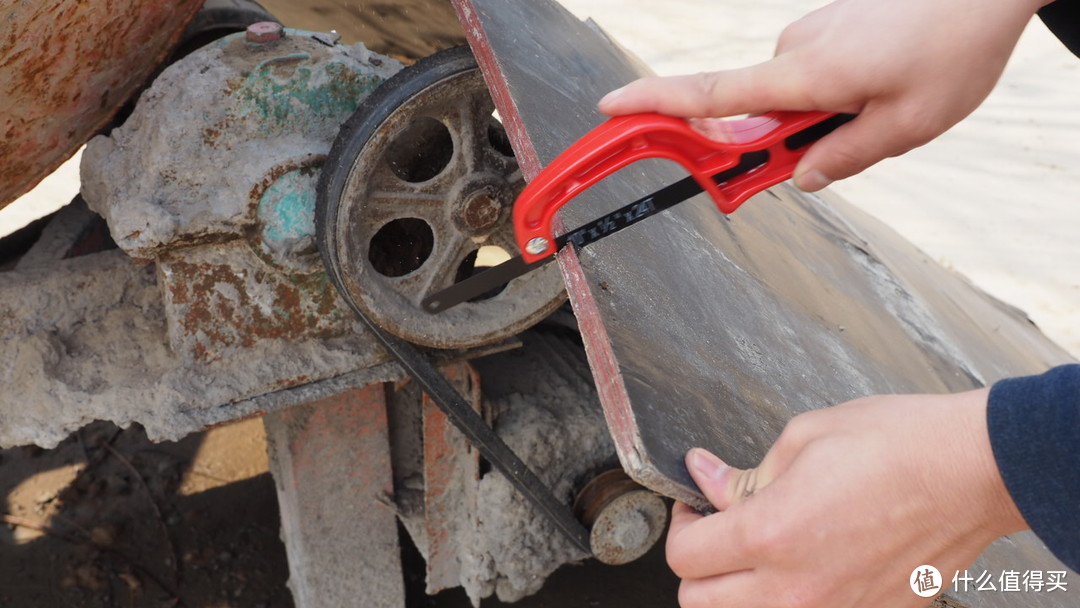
[(536, 245)]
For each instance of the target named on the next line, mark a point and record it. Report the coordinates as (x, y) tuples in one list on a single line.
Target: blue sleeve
[(1034, 425), (1063, 19)]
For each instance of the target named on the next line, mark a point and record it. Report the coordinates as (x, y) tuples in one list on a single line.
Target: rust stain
[(448, 461), (294, 381), (221, 307), (66, 67)]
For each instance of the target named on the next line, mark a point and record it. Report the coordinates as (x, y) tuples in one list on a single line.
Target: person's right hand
[(910, 69)]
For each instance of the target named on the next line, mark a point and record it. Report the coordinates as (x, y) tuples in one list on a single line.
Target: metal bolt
[(482, 211), (624, 519), (536, 245), (265, 31)]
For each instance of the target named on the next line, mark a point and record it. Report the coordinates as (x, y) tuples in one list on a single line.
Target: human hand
[(910, 70), (845, 505)]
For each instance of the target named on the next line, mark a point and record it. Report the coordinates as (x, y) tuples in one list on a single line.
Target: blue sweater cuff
[(1034, 425)]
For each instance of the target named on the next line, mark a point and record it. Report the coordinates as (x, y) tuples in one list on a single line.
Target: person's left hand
[(843, 508)]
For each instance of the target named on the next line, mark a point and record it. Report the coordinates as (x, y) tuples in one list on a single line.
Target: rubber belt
[(476, 430)]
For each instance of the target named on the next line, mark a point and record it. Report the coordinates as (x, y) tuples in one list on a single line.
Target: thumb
[(721, 484)]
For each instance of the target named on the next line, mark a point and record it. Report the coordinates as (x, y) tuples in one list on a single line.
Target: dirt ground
[(109, 519)]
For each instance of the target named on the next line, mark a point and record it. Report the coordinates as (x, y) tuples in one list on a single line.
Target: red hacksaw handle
[(623, 140)]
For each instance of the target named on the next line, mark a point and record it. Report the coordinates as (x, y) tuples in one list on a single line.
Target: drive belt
[(471, 424)]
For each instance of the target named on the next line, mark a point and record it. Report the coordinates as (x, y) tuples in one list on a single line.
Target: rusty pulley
[(416, 195)]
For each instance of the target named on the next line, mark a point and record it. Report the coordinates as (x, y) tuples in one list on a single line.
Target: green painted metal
[(287, 207), (294, 89)]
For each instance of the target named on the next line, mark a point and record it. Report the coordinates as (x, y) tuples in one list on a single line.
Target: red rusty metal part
[(331, 462), (221, 299), (66, 66), (451, 473), (265, 31)]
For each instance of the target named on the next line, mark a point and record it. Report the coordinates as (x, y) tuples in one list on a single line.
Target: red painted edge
[(605, 367), (500, 91)]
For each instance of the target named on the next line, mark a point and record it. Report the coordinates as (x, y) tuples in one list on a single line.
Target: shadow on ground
[(110, 519)]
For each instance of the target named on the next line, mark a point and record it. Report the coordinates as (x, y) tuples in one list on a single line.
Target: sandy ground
[(109, 519)]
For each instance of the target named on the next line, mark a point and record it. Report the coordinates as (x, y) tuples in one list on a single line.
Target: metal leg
[(331, 462), (451, 475)]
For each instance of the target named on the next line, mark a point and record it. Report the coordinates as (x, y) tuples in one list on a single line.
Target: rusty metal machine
[(280, 203), (209, 300)]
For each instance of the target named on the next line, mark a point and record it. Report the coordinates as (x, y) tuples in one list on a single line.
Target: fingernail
[(812, 181), (612, 96), (705, 463)]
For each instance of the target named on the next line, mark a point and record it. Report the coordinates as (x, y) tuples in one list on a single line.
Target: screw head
[(482, 211), (536, 245), (265, 31)]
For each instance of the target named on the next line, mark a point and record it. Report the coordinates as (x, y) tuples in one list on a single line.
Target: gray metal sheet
[(713, 331)]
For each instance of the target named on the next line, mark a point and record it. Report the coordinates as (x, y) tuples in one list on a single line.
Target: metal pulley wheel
[(416, 195)]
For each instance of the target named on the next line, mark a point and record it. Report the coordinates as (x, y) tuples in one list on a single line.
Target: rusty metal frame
[(331, 463)]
